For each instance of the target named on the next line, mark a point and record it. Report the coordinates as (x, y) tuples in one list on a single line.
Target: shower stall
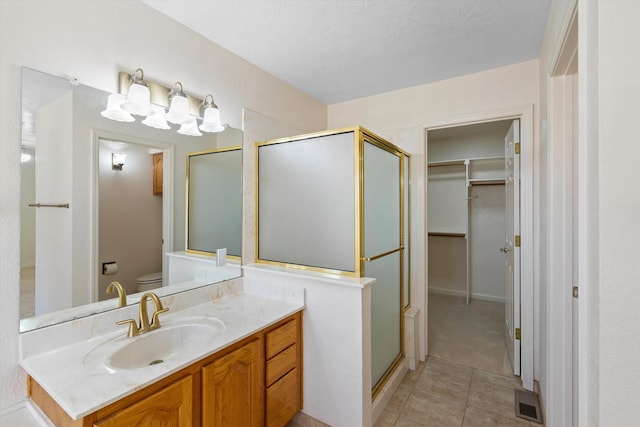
[(336, 202)]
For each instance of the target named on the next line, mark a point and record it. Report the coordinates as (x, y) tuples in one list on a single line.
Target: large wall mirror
[(86, 223)]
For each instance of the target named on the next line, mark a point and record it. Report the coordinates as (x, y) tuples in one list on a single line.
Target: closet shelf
[(453, 162)]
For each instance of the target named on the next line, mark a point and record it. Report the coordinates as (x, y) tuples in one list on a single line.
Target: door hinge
[(574, 292), (516, 148), (518, 334), (517, 243)]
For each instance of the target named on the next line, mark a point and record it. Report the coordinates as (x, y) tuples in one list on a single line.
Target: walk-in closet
[(466, 238)]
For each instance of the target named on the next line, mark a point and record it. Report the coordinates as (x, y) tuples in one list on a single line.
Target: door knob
[(504, 250)]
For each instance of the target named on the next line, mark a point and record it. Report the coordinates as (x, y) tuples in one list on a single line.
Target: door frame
[(559, 396), (167, 200), (529, 197)]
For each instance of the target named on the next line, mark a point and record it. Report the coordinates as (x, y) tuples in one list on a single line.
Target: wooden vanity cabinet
[(255, 382)]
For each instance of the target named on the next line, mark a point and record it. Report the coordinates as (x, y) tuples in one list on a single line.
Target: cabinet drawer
[(283, 400), (281, 338), (282, 363)]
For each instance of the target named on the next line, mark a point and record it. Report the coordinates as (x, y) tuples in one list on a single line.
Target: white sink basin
[(171, 341)]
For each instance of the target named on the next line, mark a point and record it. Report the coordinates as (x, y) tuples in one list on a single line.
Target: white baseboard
[(463, 294)]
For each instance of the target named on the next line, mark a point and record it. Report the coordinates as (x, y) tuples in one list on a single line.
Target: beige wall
[(130, 226), (402, 115), (93, 40), (509, 86)]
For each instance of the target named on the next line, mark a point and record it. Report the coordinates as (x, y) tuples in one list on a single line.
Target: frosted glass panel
[(215, 202), (407, 239), (382, 230), (306, 205), (385, 313), (381, 201)]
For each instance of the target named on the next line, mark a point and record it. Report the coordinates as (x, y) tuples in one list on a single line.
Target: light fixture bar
[(159, 93)]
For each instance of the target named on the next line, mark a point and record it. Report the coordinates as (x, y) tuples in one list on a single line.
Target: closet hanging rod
[(445, 234), (443, 164), (44, 205), (488, 182)]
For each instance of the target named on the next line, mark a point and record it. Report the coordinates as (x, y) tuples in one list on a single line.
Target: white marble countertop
[(77, 378)]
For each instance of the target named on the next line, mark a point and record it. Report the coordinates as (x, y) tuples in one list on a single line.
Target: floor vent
[(527, 406)]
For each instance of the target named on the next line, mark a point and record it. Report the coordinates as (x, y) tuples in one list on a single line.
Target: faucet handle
[(133, 327), (155, 321)]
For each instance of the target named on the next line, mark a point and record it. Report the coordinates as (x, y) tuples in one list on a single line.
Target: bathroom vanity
[(242, 366)]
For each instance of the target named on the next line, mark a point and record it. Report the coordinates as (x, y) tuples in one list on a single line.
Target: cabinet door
[(157, 174), (233, 388), (170, 407)]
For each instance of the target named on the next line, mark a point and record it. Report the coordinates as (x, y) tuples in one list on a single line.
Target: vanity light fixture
[(178, 106), (190, 128), (157, 119), (211, 121), (146, 98), (114, 109), (139, 97), (117, 161)]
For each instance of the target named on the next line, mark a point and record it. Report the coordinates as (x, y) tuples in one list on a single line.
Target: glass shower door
[(383, 254)]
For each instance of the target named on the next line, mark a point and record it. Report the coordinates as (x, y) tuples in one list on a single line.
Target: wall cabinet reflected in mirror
[(67, 149)]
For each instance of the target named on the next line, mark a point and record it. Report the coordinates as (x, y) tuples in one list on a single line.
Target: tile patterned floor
[(445, 393), (27, 292), (466, 381), (467, 378), (472, 335)]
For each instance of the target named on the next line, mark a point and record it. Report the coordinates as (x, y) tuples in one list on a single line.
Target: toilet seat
[(149, 282), (150, 278)]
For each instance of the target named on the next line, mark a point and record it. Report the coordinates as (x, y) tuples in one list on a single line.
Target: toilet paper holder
[(109, 268)]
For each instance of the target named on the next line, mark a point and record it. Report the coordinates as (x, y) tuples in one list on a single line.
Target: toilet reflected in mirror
[(149, 282)]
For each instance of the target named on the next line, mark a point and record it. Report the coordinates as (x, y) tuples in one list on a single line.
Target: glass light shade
[(117, 161), (190, 128), (179, 110), (114, 112), (157, 119), (138, 100), (211, 122)]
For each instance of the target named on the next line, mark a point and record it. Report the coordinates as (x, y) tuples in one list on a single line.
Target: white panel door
[(512, 249)]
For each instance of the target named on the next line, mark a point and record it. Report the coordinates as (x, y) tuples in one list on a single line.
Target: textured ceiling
[(337, 50)]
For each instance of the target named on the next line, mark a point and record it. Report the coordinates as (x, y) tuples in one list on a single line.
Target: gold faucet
[(136, 329), (122, 295)]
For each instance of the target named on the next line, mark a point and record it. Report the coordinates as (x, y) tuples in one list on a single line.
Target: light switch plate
[(221, 257)]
